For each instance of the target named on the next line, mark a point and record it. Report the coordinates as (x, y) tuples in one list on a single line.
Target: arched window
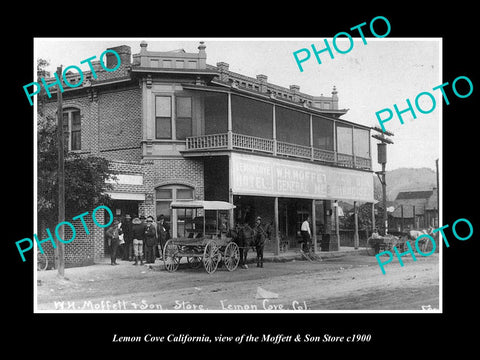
[(164, 197)]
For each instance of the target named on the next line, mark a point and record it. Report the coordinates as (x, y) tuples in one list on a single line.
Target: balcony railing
[(279, 148), (205, 142), (252, 143)]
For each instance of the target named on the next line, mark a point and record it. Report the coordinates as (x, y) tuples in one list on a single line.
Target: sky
[(368, 79)]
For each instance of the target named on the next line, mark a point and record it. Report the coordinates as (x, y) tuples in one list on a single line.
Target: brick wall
[(85, 248), (120, 124), (171, 171)]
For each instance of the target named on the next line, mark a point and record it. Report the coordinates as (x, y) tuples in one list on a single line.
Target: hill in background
[(403, 179)]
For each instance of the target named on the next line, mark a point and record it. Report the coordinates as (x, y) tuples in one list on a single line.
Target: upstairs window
[(73, 126), (361, 143), (345, 139), (163, 117), (184, 117)]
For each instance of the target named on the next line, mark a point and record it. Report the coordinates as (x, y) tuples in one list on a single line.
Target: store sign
[(127, 179), (257, 175)]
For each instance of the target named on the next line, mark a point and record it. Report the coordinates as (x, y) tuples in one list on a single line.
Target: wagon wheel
[(231, 256), (371, 246), (194, 261), (42, 261), (211, 256), (170, 258)]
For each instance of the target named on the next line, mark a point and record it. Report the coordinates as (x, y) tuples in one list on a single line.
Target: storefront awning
[(202, 204), (126, 196)]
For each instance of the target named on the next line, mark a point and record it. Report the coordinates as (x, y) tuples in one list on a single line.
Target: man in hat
[(150, 240), (138, 235), (113, 238), (127, 234), (162, 234), (306, 235), (259, 240)]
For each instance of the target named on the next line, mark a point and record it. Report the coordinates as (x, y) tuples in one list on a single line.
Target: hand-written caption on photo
[(182, 305)]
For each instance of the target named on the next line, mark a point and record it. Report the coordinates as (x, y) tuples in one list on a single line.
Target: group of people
[(142, 239), (139, 240)]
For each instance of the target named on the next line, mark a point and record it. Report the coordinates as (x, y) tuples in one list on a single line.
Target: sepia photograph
[(240, 175)]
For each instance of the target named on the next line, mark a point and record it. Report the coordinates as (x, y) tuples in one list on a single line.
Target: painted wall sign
[(265, 176)]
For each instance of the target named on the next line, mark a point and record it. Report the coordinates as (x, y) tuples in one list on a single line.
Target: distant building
[(415, 210)]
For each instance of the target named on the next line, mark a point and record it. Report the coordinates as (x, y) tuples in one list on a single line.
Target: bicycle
[(310, 255), (42, 261)]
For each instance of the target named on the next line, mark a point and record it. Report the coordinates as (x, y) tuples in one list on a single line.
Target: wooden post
[(373, 217), (437, 224), (402, 223), (276, 250), (337, 225), (274, 130), (229, 123), (384, 195), (61, 178), (314, 226), (230, 192), (414, 219), (355, 234), (311, 137)]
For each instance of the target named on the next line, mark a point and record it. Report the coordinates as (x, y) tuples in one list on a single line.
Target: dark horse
[(247, 237)]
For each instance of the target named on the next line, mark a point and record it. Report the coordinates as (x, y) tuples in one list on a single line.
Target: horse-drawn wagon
[(417, 239), (378, 243), (205, 237)]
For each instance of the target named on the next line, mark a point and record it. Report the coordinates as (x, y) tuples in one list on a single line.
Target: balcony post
[(335, 152), (355, 234), (274, 131), (311, 137), (276, 250), (229, 123), (314, 227)]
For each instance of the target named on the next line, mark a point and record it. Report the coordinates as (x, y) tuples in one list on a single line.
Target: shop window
[(163, 117), (176, 219)]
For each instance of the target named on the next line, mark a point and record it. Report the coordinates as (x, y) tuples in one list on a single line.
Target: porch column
[(337, 225), (373, 217), (314, 226), (311, 137), (276, 250), (335, 152), (355, 234), (229, 123), (274, 131), (230, 192)]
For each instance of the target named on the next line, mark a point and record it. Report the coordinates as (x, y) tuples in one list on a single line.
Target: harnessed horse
[(247, 237)]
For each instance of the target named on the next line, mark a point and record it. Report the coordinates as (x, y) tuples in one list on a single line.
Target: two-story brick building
[(177, 128)]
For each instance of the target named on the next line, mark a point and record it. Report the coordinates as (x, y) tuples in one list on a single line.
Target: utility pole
[(382, 159), (61, 179), (438, 198)]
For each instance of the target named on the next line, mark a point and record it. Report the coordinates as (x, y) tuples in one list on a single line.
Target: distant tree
[(42, 72)]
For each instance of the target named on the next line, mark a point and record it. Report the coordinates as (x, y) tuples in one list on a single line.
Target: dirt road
[(346, 283)]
